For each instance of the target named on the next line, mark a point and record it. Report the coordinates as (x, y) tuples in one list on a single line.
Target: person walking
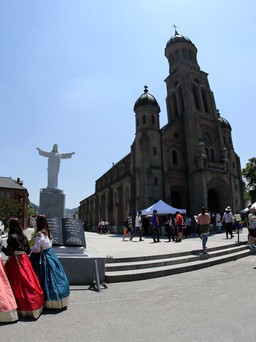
[(155, 227), (228, 221), (218, 222), (187, 230), (203, 220), (138, 226), (130, 226)]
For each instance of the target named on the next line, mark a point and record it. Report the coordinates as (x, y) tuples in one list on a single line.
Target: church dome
[(146, 99), (178, 38), (223, 122)]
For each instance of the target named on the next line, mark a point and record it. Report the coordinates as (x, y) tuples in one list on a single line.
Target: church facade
[(188, 163)]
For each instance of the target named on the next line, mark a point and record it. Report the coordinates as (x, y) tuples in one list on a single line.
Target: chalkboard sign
[(67, 231)]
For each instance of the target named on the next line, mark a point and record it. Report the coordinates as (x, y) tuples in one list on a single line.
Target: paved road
[(213, 304)]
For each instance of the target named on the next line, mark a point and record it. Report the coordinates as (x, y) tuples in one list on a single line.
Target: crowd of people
[(178, 226), (32, 277)]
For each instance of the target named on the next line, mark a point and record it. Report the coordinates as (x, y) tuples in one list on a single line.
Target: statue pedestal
[(52, 203)]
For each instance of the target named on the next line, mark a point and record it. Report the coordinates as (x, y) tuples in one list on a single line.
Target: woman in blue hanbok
[(48, 268)]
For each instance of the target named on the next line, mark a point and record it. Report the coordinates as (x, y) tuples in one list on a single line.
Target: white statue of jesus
[(54, 158)]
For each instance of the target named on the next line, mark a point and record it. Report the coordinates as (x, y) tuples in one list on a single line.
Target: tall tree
[(9, 208)]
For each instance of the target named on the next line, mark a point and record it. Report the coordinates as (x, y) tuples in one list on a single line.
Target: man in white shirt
[(228, 221), (138, 226)]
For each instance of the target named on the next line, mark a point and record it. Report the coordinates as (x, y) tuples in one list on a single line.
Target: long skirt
[(52, 278), (8, 305), (25, 285)]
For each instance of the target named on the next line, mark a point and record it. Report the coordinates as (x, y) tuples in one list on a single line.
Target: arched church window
[(174, 157), (154, 151), (207, 153), (176, 55), (181, 100), (204, 97), (155, 180), (174, 105), (144, 119), (183, 51), (196, 99), (212, 155), (126, 198), (152, 120)]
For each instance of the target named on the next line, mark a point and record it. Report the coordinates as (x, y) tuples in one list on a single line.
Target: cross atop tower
[(175, 27), (145, 89)]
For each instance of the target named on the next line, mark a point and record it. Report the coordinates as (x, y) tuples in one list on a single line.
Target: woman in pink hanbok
[(8, 305)]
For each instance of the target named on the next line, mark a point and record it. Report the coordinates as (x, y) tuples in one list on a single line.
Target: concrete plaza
[(212, 304)]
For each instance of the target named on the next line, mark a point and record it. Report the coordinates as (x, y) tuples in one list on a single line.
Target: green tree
[(31, 211), (249, 173), (9, 208)]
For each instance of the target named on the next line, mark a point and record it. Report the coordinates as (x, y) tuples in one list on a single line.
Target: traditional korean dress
[(8, 305), (50, 273), (22, 278)]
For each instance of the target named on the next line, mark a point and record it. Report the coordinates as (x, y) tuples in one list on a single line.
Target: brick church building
[(188, 163)]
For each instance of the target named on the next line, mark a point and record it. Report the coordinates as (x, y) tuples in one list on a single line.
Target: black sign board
[(67, 231)]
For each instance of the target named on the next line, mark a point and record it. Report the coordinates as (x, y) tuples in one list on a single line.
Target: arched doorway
[(213, 200), (175, 199)]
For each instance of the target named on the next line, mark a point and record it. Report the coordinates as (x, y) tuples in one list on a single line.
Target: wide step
[(157, 267)]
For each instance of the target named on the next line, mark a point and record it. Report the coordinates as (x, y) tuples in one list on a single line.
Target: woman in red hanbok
[(8, 306), (22, 278)]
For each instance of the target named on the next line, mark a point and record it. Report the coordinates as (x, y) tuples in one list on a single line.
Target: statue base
[(52, 202)]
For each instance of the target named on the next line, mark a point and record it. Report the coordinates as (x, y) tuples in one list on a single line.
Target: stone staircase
[(153, 266)]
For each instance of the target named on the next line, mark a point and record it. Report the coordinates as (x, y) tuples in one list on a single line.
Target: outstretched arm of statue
[(43, 153), (66, 155)]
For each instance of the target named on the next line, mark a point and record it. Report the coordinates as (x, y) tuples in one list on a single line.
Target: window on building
[(181, 100), (5, 194), (212, 155), (144, 119), (154, 151), (155, 180), (127, 198), (176, 55), (196, 99), (204, 97), (174, 157), (152, 120), (184, 55), (174, 105)]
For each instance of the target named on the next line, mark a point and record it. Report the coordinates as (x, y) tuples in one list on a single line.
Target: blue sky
[(71, 71)]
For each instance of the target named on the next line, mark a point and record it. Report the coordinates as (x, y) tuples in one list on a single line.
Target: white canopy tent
[(162, 209), (245, 210)]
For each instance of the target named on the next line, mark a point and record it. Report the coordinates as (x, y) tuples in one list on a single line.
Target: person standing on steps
[(203, 220), (155, 227), (228, 221)]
